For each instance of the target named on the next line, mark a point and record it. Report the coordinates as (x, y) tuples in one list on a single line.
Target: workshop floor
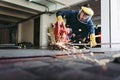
[(51, 65)]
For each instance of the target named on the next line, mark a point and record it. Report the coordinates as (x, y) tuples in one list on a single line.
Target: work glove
[(59, 19), (92, 40)]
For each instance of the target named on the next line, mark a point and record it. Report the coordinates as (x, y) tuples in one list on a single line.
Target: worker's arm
[(92, 33)]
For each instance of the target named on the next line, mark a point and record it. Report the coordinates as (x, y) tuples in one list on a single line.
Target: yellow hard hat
[(87, 10)]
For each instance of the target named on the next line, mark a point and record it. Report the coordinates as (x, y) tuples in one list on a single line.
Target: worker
[(80, 22), (51, 36), (60, 30)]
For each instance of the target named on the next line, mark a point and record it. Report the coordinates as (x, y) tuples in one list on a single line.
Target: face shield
[(85, 14), (83, 17)]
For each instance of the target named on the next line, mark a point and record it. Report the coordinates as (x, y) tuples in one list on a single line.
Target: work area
[(59, 65), (59, 40)]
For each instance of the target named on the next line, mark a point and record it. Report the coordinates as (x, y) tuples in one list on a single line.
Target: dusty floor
[(61, 67)]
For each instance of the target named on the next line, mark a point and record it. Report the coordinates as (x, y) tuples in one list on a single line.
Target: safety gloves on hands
[(59, 19), (92, 40)]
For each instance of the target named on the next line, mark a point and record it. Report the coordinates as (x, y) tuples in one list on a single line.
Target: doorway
[(36, 32)]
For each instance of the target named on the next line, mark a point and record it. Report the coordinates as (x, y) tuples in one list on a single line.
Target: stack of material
[(9, 46)]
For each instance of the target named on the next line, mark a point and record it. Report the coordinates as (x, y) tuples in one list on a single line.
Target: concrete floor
[(51, 65), (40, 52)]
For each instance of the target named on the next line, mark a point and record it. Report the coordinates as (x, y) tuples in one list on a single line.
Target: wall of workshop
[(25, 31), (52, 18), (105, 23), (45, 21), (115, 22), (110, 22)]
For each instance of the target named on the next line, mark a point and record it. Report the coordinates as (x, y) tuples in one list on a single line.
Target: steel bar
[(97, 44)]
